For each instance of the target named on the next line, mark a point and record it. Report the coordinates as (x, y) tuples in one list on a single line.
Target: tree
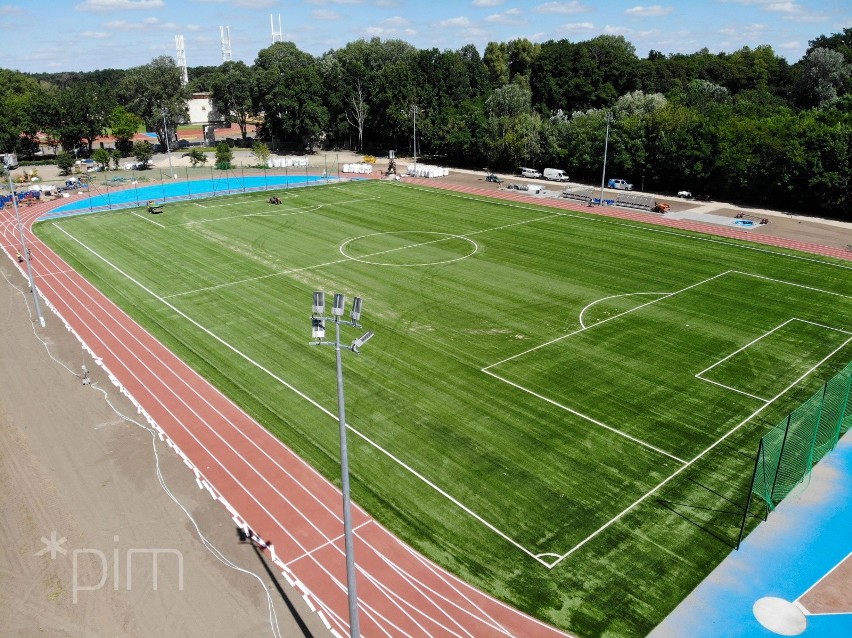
[(261, 153), (824, 72), (196, 156), (65, 162), (231, 92), (102, 158), (289, 91), (224, 155), (123, 126), (143, 152), (115, 156), (154, 92), (356, 114)]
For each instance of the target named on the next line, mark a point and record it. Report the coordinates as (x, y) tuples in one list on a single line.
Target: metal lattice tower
[(277, 36), (225, 36), (181, 60)]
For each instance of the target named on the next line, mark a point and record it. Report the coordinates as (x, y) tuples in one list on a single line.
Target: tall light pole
[(414, 109), (25, 251), (606, 146), (318, 320), (168, 150)]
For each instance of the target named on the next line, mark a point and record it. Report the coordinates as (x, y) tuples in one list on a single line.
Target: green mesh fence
[(788, 452)]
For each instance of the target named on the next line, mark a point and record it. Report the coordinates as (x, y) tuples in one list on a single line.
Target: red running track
[(264, 485), (267, 487)]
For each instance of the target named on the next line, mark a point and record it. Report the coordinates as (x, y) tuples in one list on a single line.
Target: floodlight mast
[(318, 320)]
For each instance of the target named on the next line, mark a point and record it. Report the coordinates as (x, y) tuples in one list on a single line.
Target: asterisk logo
[(52, 545)]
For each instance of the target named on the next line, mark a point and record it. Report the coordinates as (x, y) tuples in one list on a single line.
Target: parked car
[(555, 175), (183, 144), (684, 194), (491, 177), (530, 173), (620, 184)]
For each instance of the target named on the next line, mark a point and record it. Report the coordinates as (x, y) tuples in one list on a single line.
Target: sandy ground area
[(83, 511)]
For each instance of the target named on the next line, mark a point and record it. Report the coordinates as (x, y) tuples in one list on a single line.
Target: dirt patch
[(80, 495)]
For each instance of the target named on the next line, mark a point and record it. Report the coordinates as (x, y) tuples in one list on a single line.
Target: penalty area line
[(711, 447)]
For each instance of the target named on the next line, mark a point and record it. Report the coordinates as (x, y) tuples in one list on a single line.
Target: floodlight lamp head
[(339, 303), (317, 328), (319, 302), (360, 341), (355, 315)]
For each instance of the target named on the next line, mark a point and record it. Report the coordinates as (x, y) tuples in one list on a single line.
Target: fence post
[(844, 406), (750, 492), (780, 456)]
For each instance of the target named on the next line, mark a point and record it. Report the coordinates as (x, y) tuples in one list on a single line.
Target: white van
[(555, 175), (530, 173)]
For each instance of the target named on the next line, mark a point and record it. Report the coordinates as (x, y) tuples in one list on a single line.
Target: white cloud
[(381, 32), (193, 27), (119, 5), (141, 25), (562, 7), (453, 23), (612, 30), (387, 3), (512, 16), (487, 3), (396, 21), (577, 27), (334, 1), (324, 14), (9, 9), (745, 32), (653, 11), (96, 35), (394, 27)]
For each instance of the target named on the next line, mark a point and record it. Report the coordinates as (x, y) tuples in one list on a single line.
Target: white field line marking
[(708, 449), (790, 283), (824, 576), (281, 212), (266, 212), (612, 221), (732, 389), (626, 294), (304, 396), (603, 321), (150, 221), (584, 416), (752, 342), (339, 261), (250, 494), (248, 198)]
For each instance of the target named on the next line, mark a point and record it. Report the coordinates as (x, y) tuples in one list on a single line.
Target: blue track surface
[(183, 189), (806, 536)]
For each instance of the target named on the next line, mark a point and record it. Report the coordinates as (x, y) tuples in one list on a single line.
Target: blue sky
[(82, 35)]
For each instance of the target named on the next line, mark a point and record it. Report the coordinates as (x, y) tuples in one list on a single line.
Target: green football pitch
[(562, 408)]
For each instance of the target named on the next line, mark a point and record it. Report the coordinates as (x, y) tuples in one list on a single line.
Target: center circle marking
[(445, 236)]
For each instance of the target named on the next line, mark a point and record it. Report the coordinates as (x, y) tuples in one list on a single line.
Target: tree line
[(747, 125)]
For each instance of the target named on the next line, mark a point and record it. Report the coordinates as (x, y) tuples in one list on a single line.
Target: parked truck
[(555, 175), (10, 160)]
